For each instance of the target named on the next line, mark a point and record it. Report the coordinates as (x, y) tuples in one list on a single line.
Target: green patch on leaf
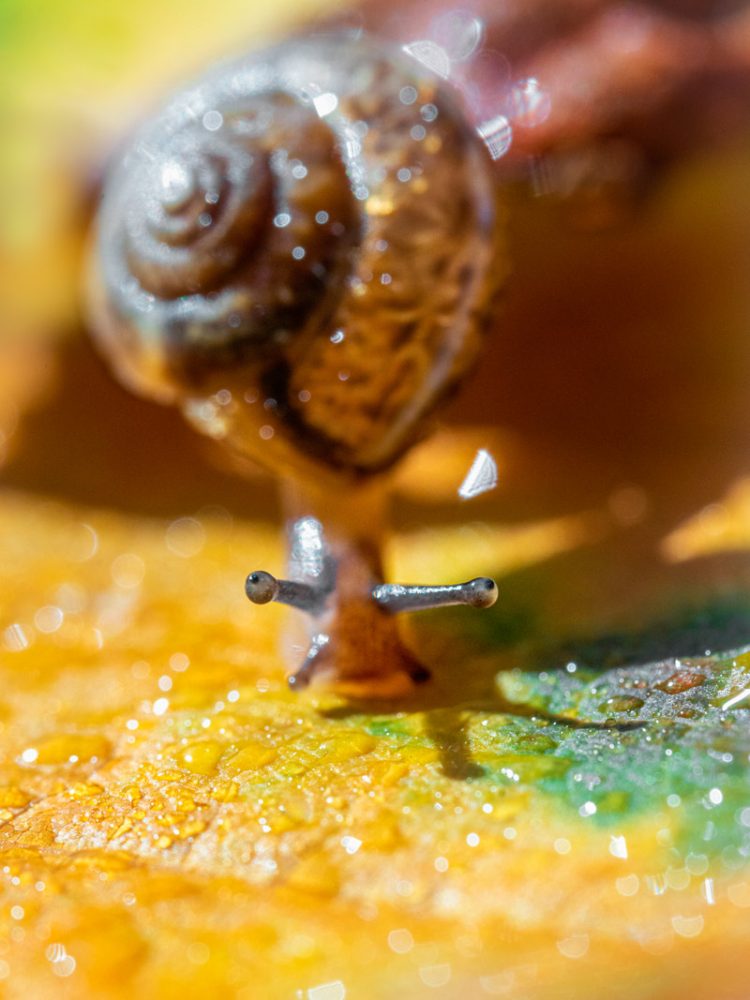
[(669, 737)]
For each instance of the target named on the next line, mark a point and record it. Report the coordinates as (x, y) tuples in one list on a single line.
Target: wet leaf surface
[(174, 819)]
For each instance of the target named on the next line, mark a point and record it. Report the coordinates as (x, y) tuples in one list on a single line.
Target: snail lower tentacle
[(301, 251)]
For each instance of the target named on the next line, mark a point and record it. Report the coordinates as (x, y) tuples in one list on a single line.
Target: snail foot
[(331, 665)]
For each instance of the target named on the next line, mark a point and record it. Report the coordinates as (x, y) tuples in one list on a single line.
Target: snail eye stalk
[(480, 592), (261, 588)]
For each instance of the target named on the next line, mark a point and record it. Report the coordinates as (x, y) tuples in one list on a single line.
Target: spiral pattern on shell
[(301, 250)]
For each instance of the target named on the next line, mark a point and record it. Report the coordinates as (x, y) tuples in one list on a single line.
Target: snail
[(300, 251)]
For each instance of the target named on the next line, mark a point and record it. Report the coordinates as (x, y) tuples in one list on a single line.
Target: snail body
[(300, 251)]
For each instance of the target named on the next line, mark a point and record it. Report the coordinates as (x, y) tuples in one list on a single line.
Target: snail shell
[(301, 250)]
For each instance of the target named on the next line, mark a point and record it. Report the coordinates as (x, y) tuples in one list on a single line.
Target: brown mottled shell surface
[(301, 250)]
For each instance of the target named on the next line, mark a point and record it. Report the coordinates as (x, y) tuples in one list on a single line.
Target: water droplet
[(200, 757), (497, 135), (179, 662), (431, 55), (249, 757), (435, 976), (459, 32), (401, 941), (351, 844), (530, 103), (63, 964), (16, 638), (627, 885), (739, 894), (481, 477), (213, 120), (618, 847), (13, 797), (327, 991), (69, 748), (688, 927), (177, 184), (681, 680), (621, 703), (325, 104), (185, 537), (128, 571)]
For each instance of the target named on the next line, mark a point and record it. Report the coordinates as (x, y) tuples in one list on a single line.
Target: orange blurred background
[(612, 392)]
